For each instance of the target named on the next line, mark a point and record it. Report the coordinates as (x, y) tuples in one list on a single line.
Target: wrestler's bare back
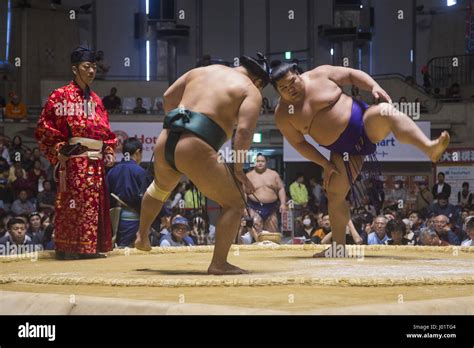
[(324, 111), (267, 185), (217, 91)]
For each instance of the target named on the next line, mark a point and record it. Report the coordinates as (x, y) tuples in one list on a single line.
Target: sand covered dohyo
[(281, 277)]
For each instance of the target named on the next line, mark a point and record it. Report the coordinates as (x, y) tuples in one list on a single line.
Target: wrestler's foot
[(336, 252), (438, 147), (92, 256), (142, 244), (321, 254), (227, 268)]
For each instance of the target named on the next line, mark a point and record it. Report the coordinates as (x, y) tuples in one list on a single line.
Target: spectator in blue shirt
[(126, 180), (179, 235), (379, 234), (442, 228)]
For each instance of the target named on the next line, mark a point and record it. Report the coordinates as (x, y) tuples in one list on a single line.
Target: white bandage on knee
[(157, 193)]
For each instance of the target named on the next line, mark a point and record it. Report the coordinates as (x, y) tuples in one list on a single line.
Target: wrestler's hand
[(246, 183), (283, 207), (329, 170), (109, 160), (379, 93)]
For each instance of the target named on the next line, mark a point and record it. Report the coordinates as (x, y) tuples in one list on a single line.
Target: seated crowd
[(27, 196)]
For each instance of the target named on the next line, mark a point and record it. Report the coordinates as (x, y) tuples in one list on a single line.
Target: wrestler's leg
[(381, 119), (271, 223), (339, 210), (199, 162), (166, 179)]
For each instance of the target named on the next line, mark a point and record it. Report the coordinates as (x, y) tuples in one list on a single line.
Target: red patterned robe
[(82, 222)]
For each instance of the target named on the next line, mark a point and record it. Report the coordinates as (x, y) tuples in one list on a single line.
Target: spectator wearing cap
[(379, 234), (441, 187), (179, 231), (35, 231), (444, 231), (443, 207)]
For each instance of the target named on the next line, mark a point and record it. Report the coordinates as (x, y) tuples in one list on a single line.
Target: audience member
[(35, 230), (179, 230), (443, 207), (139, 109), (379, 234), (112, 103), (22, 183), (324, 229), (396, 232), (46, 198), (469, 231), (15, 109), (309, 225), (429, 237), (16, 236), (441, 187), (22, 205), (4, 153), (424, 198), (465, 196), (397, 194), (444, 231), (17, 149), (266, 107)]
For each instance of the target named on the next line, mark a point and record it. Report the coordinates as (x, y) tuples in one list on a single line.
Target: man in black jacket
[(441, 187)]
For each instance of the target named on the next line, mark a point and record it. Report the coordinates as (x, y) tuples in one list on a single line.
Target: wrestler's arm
[(246, 123), (297, 139), (281, 192), (327, 238), (174, 94), (346, 76), (355, 235)]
